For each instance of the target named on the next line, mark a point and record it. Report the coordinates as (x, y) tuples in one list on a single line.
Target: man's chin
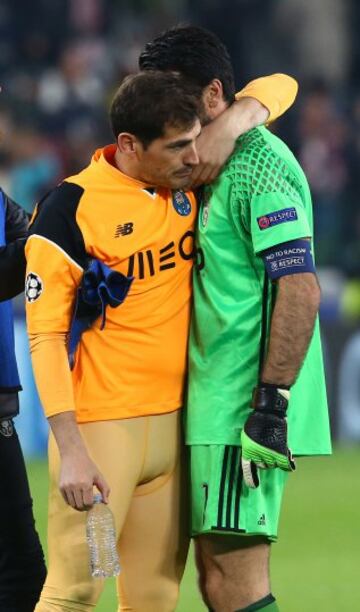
[(183, 182)]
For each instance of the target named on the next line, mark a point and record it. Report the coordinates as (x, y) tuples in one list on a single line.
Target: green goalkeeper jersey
[(260, 200)]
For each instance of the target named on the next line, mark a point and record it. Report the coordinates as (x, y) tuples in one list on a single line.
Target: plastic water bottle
[(101, 538)]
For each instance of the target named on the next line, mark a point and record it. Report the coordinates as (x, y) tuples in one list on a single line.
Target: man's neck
[(118, 162), (122, 163)]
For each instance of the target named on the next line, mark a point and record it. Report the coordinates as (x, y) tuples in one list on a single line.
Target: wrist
[(269, 385), (75, 452), (270, 398)]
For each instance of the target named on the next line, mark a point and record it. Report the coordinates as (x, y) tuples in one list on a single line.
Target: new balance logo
[(124, 230), (262, 520)]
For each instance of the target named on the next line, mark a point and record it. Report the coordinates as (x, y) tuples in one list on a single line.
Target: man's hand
[(217, 140), (78, 475), (264, 436)]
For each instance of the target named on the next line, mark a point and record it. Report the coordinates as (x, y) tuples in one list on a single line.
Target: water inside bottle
[(101, 538)]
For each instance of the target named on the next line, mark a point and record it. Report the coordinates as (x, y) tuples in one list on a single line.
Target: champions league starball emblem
[(181, 203), (33, 287)]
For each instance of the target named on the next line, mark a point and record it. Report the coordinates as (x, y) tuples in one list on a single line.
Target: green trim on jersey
[(261, 199)]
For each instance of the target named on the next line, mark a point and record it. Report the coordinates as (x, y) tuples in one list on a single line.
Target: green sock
[(268, 604)]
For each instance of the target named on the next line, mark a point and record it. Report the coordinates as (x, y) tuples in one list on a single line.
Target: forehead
[(173, 133)]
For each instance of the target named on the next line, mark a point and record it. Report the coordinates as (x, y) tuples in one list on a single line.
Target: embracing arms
[(261, 101)]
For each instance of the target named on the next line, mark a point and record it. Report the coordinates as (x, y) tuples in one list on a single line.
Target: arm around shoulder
[(276, 92)]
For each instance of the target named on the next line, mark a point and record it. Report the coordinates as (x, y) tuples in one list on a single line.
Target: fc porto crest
[(181, 203)]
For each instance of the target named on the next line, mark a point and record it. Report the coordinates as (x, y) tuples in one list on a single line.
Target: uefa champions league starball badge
[(33, 287), (181, 203)]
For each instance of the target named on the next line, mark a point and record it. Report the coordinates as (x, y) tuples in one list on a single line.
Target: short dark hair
[(146, 103), (195, 52)]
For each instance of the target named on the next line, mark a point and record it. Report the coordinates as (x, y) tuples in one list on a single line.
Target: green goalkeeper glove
[(264, 436)]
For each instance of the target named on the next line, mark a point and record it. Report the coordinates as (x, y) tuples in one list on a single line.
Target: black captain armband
[(292, 257)]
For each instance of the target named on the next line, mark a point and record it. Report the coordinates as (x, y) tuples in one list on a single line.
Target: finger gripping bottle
[(101, 538)]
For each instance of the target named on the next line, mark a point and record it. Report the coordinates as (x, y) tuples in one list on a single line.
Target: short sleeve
[(270, 197), (277, 92)]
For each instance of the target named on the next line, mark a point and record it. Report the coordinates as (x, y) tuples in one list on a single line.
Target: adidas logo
[(262, 520)]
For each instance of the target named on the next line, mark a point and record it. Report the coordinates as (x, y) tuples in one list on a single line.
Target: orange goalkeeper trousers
[(142, 461)]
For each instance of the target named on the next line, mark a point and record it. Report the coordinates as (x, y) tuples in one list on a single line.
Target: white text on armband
[(292, 257)]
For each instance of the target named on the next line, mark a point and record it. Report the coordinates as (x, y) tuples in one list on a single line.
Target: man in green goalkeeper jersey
[(256, 380)]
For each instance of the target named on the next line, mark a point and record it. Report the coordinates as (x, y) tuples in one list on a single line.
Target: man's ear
[(213, 94), (127, 143)]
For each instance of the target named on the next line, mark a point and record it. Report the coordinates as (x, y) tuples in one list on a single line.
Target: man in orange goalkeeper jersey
[(115, 419)]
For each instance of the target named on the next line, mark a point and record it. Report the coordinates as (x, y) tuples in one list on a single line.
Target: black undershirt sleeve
[(12, 257)]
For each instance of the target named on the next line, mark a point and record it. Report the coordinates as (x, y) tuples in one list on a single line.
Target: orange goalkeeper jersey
[(136, 365)]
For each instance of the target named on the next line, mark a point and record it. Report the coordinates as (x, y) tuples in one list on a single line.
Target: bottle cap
[(98, 498)]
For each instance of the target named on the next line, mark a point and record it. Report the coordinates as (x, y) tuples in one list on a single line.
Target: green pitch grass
[(315, 565)]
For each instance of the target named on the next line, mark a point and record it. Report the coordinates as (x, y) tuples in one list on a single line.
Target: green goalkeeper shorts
[(221, 501)]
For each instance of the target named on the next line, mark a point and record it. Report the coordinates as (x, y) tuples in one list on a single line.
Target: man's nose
[(191, 157)]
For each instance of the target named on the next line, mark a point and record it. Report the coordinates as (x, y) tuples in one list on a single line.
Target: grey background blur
[(61, 61)]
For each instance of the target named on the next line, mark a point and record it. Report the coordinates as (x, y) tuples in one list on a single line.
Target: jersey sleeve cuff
[(276, 92)]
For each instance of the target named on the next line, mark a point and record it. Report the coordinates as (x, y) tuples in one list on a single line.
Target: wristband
[(270, 398)]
